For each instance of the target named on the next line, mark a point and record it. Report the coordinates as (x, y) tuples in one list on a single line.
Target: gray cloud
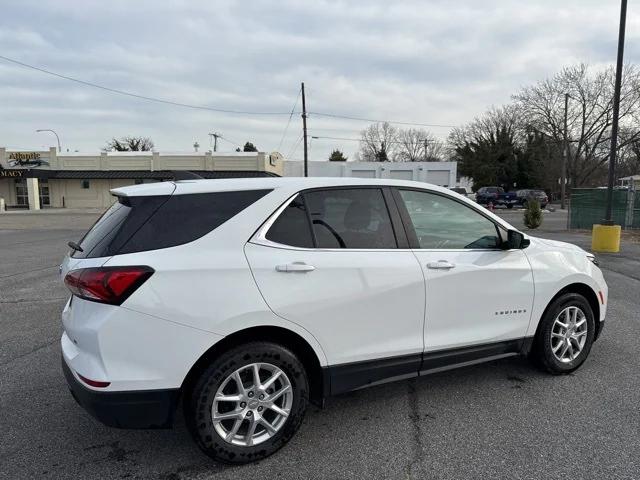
[(424, 61)]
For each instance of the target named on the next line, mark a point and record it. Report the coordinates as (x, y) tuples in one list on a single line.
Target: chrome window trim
[(260, 238)]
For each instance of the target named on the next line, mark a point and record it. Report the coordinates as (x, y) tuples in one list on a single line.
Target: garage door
[(438, 177)]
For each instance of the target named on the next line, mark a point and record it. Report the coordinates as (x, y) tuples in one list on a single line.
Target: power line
[(135, 95), (289, 121), (334, 115), (417, 142), (212, 109), (296, 145), (231, 141)]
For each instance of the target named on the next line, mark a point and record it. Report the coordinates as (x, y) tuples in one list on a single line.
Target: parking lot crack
[(416, 431)]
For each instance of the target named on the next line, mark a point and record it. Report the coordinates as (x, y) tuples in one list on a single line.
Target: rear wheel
[(509, 205), (565, 334), (248, 403)]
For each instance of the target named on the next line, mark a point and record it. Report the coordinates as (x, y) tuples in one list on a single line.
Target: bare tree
[(417, 145), (378, 143), (129, 144), (590, 114)]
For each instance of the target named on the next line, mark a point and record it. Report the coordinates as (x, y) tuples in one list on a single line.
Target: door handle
[(440, 265), (295, 267)]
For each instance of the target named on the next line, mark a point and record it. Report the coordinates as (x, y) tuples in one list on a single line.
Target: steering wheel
[(332, 231)]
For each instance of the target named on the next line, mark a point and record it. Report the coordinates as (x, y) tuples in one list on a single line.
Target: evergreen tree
[(533, 214), (250, 147), (337, 156)]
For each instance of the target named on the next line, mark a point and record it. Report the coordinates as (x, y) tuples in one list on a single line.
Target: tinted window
[(292, 226), (350, 218), (443, 223), (136, 224), (117, 224)]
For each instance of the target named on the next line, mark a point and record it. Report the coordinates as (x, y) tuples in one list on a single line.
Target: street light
[(52, 131)]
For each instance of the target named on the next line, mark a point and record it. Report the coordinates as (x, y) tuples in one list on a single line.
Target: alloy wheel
[(252, 404), (568, 334)]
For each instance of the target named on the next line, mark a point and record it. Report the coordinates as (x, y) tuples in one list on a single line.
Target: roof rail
[(179, 175)]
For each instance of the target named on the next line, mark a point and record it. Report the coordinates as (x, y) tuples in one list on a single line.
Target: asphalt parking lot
[(498, 420)]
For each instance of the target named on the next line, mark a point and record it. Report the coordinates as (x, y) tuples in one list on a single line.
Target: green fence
[(588, 205), (636, 211)]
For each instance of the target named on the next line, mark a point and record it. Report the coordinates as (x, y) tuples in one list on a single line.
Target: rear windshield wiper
[(75, 246)]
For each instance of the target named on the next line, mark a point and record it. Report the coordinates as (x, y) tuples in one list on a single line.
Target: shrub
[(533, 214)]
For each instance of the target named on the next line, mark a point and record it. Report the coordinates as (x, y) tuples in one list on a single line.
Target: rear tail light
[(112, 285)]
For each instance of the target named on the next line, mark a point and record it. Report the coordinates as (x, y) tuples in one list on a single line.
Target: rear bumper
[(129, 409)]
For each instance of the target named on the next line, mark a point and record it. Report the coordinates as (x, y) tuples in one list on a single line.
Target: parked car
[(246, 299), (460, 190), (526, 195), (496, 196)]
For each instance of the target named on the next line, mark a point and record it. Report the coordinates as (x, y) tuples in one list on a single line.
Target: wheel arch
[(318, 381), (582, 289)]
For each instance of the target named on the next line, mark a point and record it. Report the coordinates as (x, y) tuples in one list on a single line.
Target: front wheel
[(565, 334), (248, 403), (510, 205)]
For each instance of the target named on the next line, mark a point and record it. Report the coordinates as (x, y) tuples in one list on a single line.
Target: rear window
[(137, 224)]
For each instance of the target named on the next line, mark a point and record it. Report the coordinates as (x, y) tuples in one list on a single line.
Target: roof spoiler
[(179, 175)]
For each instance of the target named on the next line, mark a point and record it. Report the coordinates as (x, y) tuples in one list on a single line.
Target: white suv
[(246, 299)]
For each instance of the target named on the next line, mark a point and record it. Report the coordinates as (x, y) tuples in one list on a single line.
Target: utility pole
[(608, 219), (215, 140), (565, 156), (304, 133)]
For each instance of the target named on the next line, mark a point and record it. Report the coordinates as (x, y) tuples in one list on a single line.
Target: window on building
[(85, 184), (43, 190), (22, 195)]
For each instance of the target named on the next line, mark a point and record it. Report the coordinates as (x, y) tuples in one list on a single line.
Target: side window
[(292, 226), (350, 218), (443, 223)]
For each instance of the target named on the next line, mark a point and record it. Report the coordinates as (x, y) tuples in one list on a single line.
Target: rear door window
[(350, 218), (292, 226)]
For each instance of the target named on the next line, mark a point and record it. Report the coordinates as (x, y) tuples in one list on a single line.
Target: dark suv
[(526, 195)]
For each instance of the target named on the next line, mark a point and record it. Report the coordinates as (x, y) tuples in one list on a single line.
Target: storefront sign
[(11, 173), (26, 159)]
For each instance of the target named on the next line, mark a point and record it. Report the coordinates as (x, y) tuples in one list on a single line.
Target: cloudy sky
[(431, 62)]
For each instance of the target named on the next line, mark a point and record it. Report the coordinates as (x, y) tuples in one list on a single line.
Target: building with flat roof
[(37, 179)]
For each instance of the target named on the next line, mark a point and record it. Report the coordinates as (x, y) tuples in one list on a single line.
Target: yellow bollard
[(606, 238)]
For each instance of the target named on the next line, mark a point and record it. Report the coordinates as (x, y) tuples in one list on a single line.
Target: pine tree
[(337, 156)]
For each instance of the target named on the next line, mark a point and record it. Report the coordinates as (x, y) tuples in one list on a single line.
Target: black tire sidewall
[(199, 403), (543, 338)]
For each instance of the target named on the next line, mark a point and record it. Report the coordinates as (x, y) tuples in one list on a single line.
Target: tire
[(199, 403), (510, 205), (543, 347)]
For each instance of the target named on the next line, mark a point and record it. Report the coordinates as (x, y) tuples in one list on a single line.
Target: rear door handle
[(295, 267), (440, 265)]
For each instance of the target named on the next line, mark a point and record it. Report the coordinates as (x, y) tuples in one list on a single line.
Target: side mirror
[(516, 240)]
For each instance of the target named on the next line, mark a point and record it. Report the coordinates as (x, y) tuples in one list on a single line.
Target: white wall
[(439, 173)]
